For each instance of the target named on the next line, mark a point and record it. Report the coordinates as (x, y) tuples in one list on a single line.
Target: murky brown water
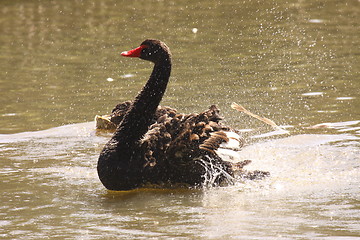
[(296, 63)]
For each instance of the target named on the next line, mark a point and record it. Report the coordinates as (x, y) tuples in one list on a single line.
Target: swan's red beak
[(134, 52)]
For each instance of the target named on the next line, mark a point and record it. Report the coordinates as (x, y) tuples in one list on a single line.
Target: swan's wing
[(225, 144), (118, 113), (197, 135)]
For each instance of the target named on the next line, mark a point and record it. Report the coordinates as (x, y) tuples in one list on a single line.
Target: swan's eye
[(146, 50)]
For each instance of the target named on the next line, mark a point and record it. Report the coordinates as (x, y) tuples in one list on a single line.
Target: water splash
[(214, 173)]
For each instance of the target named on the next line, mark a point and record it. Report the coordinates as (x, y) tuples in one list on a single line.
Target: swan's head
[(151, 50)]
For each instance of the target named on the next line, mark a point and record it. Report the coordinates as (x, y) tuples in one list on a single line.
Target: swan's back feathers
[(184, 138), (188, 143)]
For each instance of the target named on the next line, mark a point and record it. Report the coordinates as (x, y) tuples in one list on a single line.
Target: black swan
[(158, 146)]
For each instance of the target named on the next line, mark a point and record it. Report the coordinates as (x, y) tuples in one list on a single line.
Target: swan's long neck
[(136, 122)]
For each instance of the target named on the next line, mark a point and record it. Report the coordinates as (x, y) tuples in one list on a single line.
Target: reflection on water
[(296, 63)]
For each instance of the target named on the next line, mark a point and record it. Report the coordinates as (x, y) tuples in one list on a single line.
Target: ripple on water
[(304, 169), (345, 98), (313, 94)]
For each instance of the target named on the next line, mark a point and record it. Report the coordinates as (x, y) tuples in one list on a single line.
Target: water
[(296, 63)]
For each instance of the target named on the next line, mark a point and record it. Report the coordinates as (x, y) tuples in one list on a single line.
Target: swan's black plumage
[(157, 145)]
